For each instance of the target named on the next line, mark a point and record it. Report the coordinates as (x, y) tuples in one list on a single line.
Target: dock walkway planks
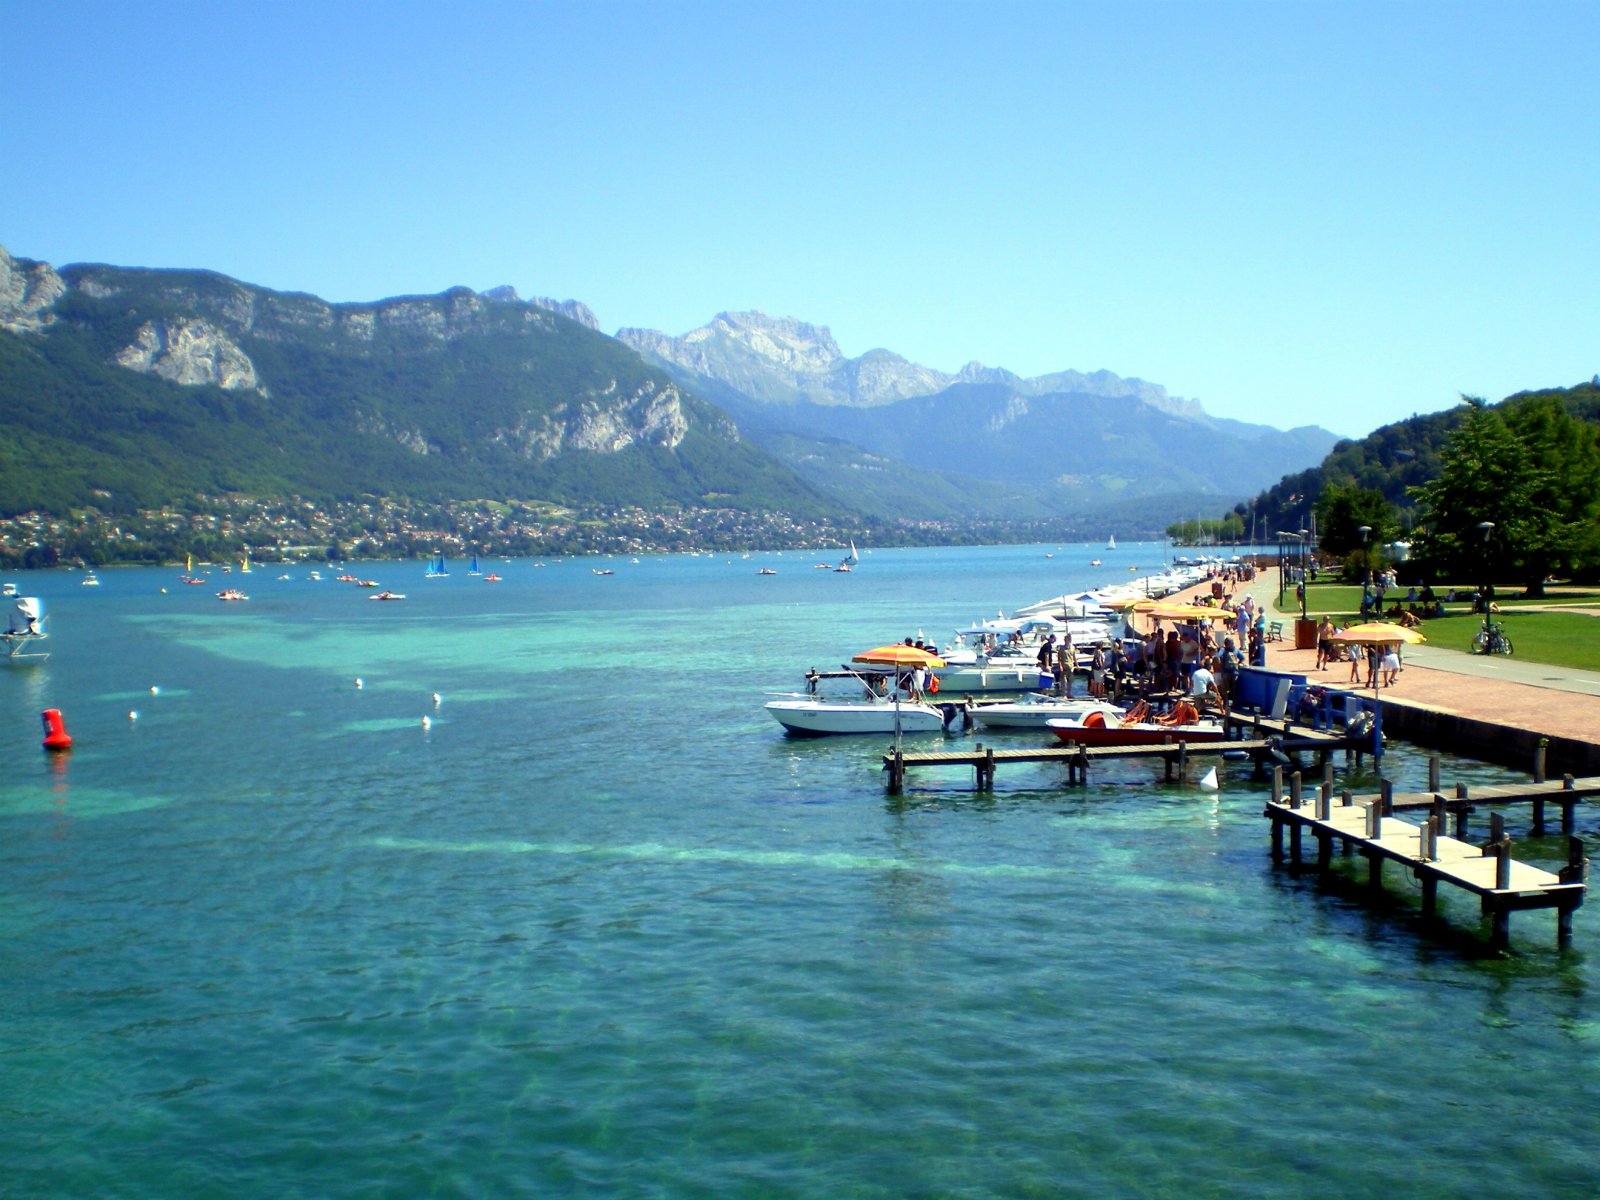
[(1565, 793), (1502, 884), (1175, 754)]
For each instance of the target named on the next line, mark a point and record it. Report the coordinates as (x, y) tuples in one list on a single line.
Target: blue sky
[(1296, 213)]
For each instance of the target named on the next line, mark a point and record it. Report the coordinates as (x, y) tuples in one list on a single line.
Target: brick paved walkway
[(1544, 699)]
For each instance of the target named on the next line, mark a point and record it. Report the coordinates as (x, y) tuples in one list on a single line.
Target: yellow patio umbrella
[(1378, 633), (1188, 612), (899, 655)]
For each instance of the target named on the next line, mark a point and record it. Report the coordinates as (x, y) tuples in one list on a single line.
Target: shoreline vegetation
[(223, 529)]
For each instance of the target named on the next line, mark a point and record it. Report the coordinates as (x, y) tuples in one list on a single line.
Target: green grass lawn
[(1562, 639)]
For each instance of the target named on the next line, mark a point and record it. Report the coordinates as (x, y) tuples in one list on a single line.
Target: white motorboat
[(813, 716), (1035, 711), (957, 678)]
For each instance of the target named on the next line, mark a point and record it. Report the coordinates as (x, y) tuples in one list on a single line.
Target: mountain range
[(1002, 446), (155, 384)]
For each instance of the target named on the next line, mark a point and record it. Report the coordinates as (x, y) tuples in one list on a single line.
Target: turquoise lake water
[(600, 929)]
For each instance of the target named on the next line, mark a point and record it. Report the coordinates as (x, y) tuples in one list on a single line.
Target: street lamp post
[(1486, 593), (1304, 573)]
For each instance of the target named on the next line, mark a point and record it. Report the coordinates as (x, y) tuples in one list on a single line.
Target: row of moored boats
[(990, 674)]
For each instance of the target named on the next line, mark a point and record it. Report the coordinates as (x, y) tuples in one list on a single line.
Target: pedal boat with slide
[(1137, 728)]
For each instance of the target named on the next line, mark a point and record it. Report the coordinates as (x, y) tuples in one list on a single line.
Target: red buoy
[(56, 736)]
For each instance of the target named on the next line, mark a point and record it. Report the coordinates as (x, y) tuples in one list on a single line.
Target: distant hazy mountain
[(1066, 441), (781, 360), (151, 385)]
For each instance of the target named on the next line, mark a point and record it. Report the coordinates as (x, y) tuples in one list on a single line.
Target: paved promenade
[(1504, 690)]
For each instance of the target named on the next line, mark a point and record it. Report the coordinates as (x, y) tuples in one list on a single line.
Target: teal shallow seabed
[(599, 929)]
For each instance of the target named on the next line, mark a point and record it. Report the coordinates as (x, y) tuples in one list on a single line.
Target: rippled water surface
[(599, 929)]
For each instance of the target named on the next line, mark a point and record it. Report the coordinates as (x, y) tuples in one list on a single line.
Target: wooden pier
[(1540, 793), (1366, 825), (1272, 744)]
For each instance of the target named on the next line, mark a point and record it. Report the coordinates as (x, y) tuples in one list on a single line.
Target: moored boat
[(812, 716), (1096, 729), (1036, 710)]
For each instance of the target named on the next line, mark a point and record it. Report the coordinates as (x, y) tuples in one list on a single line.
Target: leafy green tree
[(1481, 516), (1568, 450), (1343, 510)]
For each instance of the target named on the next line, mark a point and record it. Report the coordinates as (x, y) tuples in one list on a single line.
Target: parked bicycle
[(1491, 639)]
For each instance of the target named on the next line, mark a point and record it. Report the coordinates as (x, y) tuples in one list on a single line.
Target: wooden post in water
[(1433, 772), (1567, 825), (897, 771), (1538, 760), (1499, 845), (1295, 799), (1430, 881), (1576, 871), (1461, 813)]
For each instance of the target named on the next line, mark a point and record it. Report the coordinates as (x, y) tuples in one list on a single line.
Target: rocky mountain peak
[(28, 290)]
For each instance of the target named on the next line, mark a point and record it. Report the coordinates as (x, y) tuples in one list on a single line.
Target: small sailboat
[(436, 568), (849, 560), (1111, 542), (473, 570)]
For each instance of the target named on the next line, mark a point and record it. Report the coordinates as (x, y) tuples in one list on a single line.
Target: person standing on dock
[(1228, 663), (1066, 660)]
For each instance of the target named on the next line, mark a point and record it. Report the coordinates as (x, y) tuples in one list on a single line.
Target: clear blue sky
[(1296, 213)]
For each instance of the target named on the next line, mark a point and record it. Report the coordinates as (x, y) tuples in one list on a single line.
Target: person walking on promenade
[(1325, 644)]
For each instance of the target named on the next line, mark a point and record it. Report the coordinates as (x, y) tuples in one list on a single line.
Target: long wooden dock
[(1367, 826), (1273, 743)]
